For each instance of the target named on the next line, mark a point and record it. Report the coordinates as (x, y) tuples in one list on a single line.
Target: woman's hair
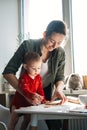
[(31, 56), (56, 26)]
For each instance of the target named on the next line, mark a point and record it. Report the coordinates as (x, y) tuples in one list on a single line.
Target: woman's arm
[(13, 66), (11, 78), (58, 93)]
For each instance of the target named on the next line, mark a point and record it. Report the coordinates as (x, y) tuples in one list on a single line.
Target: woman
[(53, 57)]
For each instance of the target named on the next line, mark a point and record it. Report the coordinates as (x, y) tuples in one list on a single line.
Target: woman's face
[(54, 41)]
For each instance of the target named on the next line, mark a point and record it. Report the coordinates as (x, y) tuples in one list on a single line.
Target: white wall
[(8, 30)]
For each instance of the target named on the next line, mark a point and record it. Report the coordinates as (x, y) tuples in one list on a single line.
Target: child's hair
[(31, 56), (56, 26)]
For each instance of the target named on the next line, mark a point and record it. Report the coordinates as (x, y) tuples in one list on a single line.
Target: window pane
[(39, 13), (79, 9)]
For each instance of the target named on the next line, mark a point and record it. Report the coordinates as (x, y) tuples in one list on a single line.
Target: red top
[(29, 87)]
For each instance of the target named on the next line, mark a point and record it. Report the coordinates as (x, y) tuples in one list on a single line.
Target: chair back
[(3, 126)]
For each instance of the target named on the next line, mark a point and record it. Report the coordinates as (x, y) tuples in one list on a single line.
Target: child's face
[(34, 68)]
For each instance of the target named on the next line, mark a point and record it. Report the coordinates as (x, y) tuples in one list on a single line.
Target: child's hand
[(37, 99), (38, 96)]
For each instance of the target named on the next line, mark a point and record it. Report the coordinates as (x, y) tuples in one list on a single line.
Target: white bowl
[(83, 99)]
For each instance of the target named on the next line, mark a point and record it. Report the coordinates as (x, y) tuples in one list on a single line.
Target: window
[(79, 9), (38, 13)]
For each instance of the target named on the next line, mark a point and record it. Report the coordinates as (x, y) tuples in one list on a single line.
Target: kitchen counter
[(75, 92)]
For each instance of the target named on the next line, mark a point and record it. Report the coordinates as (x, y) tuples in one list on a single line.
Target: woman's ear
[(25, 66), (44, 34)]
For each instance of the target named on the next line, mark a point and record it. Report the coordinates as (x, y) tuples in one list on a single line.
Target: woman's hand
[(60, 95)]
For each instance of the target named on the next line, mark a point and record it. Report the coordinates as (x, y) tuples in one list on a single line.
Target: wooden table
[(65, 111)]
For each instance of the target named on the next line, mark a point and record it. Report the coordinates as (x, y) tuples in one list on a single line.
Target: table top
[(67, 109)]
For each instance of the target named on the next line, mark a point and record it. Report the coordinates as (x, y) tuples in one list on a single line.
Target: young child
[(30, 83)]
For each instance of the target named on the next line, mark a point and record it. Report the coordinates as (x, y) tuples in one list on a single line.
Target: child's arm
[(29, 92)]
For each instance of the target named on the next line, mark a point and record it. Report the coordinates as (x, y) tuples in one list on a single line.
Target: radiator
[(77, 124)]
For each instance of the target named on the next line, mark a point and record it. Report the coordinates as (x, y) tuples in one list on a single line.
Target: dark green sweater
[(56, 61)]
